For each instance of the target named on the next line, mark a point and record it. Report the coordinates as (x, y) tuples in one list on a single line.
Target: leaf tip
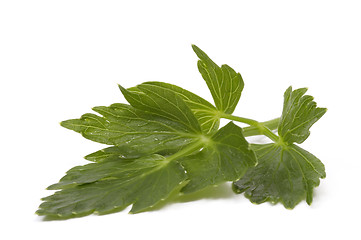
[(121, 88), (201, 55), (52, 187), (39, 212), (194, 47), (65, 124)]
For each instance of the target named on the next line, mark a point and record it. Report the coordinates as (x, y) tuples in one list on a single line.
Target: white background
[(60, 58)]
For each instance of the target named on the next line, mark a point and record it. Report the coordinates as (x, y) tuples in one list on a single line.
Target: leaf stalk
[(256, 128)]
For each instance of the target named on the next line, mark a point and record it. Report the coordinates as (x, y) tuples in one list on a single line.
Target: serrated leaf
[(207, 115), (114, 182), (164, 103), (225, 84), (299, 113), (283, 174), (167, 138), (159, 122), (225, 157), (134, 132), (112, 185)]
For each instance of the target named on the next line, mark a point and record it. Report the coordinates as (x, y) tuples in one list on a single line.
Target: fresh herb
[(285, 172), (168, 139)]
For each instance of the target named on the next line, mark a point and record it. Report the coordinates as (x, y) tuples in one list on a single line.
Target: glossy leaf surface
[(285, 172), (226, 157), (134, 132), (286, 175), (299, 113), (206, 114), (164, 103), (168, 140), (225, 84), (112, 185)]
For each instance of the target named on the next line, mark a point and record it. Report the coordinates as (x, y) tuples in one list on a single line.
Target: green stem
[(256, 128), (252, 131)]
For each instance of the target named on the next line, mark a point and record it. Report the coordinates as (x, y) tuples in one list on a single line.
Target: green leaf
[(225, 157), (164, 103), (207, 115), (283, 174), (168, 138), (114, 182), (225, 84), (105, 154), (134, 132), (299, 113), (112, 185)]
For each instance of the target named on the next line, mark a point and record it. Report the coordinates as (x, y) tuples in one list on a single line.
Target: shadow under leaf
[(222, 191)]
